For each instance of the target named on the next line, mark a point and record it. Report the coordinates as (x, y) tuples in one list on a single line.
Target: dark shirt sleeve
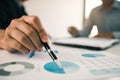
[(9, 10)]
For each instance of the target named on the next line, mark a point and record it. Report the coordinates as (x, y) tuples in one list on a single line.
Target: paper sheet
[(91, 65)]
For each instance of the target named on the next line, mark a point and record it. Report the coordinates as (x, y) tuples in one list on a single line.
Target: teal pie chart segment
[(93, 55), (68, 67)]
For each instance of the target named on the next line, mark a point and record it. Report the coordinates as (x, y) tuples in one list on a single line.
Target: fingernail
[(41, 48), (45, 38), (26, 52)]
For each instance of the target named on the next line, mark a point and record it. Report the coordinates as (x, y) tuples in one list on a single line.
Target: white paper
[(89, 68)]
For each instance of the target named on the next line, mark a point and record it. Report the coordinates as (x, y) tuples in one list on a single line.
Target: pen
[(51, 54)]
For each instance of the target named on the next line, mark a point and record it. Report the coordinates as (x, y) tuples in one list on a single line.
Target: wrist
[(2, 33), (1, 44)]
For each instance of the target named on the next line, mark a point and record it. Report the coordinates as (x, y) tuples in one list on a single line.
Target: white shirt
[(105, 21)]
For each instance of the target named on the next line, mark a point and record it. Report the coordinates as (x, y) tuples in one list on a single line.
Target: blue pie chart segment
[(93, 55), (68, 67)]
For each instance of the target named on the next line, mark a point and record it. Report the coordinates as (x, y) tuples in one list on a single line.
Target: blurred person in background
[(107, 19)]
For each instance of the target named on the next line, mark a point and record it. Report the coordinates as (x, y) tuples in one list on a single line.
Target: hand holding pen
[(20, 36), (26, 34), (50, 52)]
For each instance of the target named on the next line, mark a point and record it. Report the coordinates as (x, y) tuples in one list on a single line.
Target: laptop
[(88, 43)]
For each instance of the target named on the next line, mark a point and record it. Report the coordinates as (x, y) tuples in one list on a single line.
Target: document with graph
[(77, 65), (88, 43)]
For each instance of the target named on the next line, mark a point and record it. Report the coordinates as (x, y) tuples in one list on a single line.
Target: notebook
[(88, 43)]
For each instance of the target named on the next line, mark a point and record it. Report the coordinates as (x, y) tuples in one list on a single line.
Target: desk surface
[(114, 50), (40, 60)]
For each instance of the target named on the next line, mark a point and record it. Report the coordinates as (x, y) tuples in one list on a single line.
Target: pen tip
[(59, 64)]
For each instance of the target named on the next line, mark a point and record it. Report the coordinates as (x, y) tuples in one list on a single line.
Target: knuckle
[(23, 16), (17, 46), (22, 38), (34, 18), (8, 30), (14, 21), (30, 32)]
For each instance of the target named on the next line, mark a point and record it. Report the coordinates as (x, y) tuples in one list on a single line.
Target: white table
[(114, 50), (30, 76)]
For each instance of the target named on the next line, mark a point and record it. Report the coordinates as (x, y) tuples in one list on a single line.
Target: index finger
[(36, 24)]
